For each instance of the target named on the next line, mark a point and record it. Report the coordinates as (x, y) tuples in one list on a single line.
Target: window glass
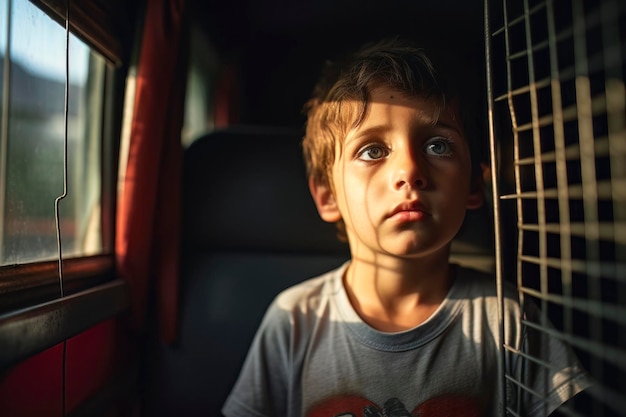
[(201, 76), (32, 132)]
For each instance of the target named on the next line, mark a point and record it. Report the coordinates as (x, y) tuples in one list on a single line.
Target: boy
[(398, 330)]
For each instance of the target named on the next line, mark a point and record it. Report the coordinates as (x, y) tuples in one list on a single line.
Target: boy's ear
[(325, 201), (476, 197)]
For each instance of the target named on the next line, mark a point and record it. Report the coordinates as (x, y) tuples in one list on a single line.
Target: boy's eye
[(373, 153), (439, 146)]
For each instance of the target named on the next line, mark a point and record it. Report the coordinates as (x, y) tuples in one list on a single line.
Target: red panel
[(94, 358), (34, 388)]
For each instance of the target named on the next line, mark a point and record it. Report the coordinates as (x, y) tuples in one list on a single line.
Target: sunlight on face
[(402, 178)]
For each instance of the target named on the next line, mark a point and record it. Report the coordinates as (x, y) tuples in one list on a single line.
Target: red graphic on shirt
[(355, 406)]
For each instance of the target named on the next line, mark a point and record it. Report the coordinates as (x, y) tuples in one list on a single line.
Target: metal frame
[(561, 86)]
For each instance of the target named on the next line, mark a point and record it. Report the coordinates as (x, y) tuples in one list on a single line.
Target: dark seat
[(250, 229)]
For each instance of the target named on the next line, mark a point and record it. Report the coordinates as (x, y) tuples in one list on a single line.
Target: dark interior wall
[(282, 45)]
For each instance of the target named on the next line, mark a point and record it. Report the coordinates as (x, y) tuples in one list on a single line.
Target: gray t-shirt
[(314, 356)]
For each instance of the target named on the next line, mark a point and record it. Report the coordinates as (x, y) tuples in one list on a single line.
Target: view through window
[(32, 132)]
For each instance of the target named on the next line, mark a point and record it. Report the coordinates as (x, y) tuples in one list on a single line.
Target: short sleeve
[(545, 372), (262, 384)]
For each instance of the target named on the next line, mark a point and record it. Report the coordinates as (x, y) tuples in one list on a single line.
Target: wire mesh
[(557, 75)]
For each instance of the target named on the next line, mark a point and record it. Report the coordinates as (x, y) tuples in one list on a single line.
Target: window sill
[(28, 331)]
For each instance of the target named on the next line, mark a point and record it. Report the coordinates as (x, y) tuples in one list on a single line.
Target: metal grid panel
[(557, 71)]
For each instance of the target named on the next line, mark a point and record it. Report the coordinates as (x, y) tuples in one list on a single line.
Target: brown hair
[(340, 98), (391, 63)]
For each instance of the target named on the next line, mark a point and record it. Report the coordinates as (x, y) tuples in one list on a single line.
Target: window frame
[(33, 316)]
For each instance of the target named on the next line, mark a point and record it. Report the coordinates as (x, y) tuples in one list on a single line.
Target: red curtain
[(148, 217)]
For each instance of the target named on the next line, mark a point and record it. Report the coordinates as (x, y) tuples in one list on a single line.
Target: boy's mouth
[(409, 211)]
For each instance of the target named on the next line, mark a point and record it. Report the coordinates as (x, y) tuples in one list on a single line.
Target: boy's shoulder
[(309, 293), (479, 291)]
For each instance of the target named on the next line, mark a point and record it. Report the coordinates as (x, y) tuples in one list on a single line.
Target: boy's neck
[(397, 294)]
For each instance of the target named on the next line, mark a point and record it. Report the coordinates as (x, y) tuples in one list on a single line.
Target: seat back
[(250, 229)]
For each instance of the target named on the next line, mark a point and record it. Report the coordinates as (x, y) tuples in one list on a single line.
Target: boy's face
[(402, 179)]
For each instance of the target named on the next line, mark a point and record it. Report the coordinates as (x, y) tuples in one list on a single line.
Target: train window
[(32, 138)]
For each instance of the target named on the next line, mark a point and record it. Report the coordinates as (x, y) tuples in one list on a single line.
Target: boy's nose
[(409, 172)]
